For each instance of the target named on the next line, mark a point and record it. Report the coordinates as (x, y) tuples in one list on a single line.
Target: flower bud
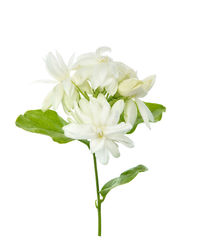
[(136, 88), (129, 87)]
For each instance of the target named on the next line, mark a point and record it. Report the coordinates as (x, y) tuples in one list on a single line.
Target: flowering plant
[(102, 102)]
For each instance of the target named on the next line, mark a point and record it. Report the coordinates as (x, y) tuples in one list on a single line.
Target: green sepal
[(124, 178)]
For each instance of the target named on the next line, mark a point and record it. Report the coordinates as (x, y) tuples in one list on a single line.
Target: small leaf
[(124, 178), (156, 109)]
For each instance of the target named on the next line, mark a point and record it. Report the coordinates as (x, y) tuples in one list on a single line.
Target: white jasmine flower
[(99, 69), (136, 89), (64, 91), (98, 122)]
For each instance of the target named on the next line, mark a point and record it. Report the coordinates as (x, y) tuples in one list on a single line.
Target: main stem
[(98, 205)]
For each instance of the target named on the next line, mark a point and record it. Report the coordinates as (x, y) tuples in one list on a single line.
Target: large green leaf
[(124, 178), (48, 123), (156, 109)]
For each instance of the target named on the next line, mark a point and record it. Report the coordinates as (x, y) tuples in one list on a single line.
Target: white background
[(47, 190)]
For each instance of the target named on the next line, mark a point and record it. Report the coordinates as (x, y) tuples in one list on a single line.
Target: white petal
[(47, 103), (68, 87), (149, 82), (130, 112), (86, 59), (96, 110), (125, 72), (113, 148), (103, 156), (85, 107), (81, 75), (115, 113), (102, 101), (111, 86), (81, 116), (97, 144), (104, 109), (58, 95), (145, 112), (53, 67), (71, 61), (102, 50), (68, 101), (132, 88), (79, 131), (117, 129), (61, 62), (85, 87), (120, 138), (99, 75)]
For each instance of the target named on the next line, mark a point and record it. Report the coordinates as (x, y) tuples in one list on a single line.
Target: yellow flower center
[(99, 133), (103, 59)]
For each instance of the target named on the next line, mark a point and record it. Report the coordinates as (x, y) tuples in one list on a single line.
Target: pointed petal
[(48, 101), (68, 86), (145, 112), (85, 107), (99, 75), (104, 109), (130, 112), (71, 61), (117, 129), (61, 62), (68, 101), (97, 144), (120, 138), (149, 82), (111, 86), (103, 156), (81, 116), (58, 95), (53, 67), (100, 110), (81, 75), (79, 131), (115, 113), (113, 148)]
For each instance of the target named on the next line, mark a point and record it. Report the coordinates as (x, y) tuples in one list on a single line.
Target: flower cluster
[(101, 98)]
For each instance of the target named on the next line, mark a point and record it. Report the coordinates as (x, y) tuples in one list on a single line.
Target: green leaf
[(47, 123), (124, 178), (156, 109)]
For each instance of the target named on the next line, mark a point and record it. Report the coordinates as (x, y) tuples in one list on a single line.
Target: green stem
[(86, 97), (98, 205)]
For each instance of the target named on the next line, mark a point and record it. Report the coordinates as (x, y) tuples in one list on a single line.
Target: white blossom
[(99, 69), (64, 91), (98, 122)]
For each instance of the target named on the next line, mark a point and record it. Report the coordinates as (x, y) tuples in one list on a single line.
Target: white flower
[(98, 122), (64, 91), (136, 89), (99, 69)]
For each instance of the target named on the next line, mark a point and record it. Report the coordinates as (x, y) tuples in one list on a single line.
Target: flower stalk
[(98, 205)]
